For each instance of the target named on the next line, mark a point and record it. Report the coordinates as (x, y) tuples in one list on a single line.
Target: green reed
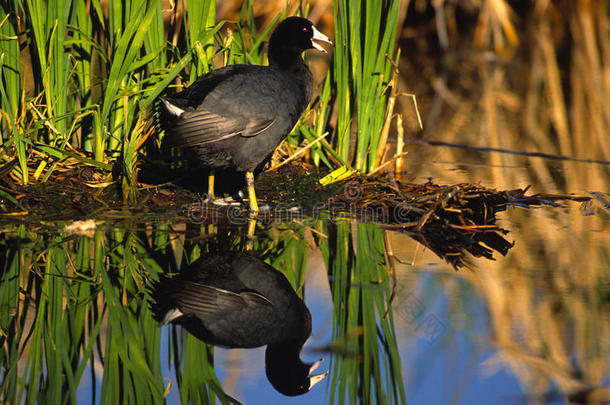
[(10, 86), (95, 69), (367, 367), (60, 328), (90, 68), (364, 52)]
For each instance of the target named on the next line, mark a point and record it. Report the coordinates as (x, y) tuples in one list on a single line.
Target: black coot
[(235, 117), (237, 300)]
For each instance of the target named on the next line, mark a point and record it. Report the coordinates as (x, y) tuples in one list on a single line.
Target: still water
[(393, 322)]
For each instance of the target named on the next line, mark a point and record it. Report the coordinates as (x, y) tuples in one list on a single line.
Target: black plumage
[(236, 116), (237, 300)]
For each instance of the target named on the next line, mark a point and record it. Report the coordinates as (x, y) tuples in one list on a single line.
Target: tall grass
[(363, 325), (365, 36), (80, 75), (91, 64), (10, 86), (72, 304), (96, 67)]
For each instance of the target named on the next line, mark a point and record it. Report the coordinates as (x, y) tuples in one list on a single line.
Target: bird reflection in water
[(239, 301)]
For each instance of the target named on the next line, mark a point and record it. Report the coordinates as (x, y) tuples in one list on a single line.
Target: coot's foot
[(238, 199)]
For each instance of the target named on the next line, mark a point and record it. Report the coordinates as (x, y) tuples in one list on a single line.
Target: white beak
[(314, 379), (318, 36)]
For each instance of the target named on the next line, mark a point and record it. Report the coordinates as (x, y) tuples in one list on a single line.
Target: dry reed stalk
[(298, 152), (491, 129), (400, 130), (495, 26), (389, 114), (554, 94)]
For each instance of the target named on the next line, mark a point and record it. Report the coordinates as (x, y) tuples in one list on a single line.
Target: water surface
[(393, 321)]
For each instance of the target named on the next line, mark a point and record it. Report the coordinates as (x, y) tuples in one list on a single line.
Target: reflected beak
[(315, 365), (314, 379), (318, 36)]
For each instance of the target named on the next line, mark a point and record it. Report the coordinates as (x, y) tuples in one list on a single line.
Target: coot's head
[(293, 36), (292, 377)]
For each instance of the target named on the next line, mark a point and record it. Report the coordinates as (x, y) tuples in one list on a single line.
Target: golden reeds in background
[(534, 77)]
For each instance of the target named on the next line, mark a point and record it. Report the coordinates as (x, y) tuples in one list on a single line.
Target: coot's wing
[(203, 300), (200, 127), (244, 100)]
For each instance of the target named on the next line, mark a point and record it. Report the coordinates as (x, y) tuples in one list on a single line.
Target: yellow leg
[(211, 196), (250, 236), (251, 193)]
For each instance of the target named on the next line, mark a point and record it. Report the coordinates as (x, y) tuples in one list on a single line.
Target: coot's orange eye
[(305, 29)]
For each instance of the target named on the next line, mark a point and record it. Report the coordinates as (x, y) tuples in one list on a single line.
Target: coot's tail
[(165, 111), (163, 304)]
